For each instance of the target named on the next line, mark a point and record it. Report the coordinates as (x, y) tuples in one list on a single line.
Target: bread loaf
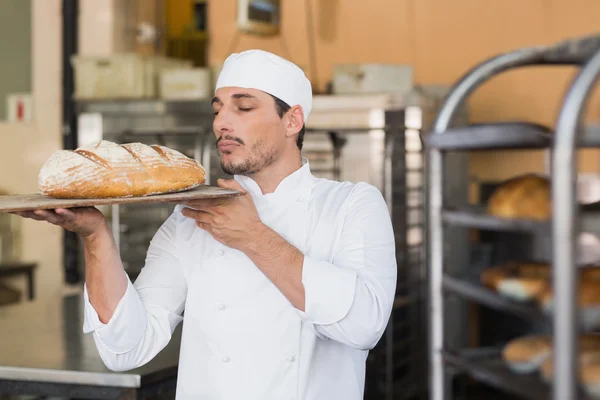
[(588, 301), (520, 282), (588, 352), (589, 377), (527, 196), (104, 169), (526, 354)]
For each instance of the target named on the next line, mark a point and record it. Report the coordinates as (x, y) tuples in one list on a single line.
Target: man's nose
[(221, 124)]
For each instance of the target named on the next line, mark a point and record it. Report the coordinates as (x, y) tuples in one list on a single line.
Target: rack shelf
[(505, 136), (486, 366), (475, 217), (492, 136), (490, 369), (472, 290)]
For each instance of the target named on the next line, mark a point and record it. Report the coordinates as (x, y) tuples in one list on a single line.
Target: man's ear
[(295, 121)]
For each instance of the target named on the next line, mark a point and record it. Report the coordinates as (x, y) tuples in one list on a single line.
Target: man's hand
[(85, 220), (230, 221), (235, 223)]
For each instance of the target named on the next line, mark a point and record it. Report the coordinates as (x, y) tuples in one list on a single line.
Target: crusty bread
[(588, 294), (526, 354), (527, 196), (589, 352), (104, 169), (492, 276), (588, 301), (590, 273), (589, 377), (521, 282)]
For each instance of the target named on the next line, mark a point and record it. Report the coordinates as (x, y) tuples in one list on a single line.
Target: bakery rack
[(569, 219)]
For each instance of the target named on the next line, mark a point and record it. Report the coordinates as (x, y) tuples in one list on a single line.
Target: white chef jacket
[(242, 339)]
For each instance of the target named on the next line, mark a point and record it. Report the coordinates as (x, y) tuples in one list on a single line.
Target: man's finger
[(66, 214), (204, 205), (198, 215), (38, 215), (50, 216), (203, 226)]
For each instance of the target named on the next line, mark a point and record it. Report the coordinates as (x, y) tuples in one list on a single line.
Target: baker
[(285, 288)]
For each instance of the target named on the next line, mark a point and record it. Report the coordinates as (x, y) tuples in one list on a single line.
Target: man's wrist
[(260, 237)]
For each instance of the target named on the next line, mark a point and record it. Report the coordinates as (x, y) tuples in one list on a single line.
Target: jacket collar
[(295, 187)]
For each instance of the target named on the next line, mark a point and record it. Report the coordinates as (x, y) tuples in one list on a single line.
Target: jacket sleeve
[(150, 310), (350, 299)]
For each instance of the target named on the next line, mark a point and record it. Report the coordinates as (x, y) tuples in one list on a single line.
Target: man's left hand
[(230, 221)]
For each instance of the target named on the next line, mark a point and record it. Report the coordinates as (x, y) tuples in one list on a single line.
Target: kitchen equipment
[(186, 84), (372, 78), (447, 280), (126, 75)]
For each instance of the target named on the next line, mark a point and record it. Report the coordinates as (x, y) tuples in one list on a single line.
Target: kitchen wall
[(442, 40), (26, 146)]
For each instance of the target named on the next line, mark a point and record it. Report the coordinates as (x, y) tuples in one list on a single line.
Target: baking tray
[(28, 202)]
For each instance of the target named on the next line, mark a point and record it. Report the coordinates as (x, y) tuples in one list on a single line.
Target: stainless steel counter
[(42, 345)]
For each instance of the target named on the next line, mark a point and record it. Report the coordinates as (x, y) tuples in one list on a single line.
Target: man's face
[(250, 134)]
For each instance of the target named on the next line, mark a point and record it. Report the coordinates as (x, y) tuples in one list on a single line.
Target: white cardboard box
[(186, 84), (372, 78)]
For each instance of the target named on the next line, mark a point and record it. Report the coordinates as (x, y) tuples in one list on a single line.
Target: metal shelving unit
[(569, 219)]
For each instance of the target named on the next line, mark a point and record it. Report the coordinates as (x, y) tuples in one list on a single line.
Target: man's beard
[(260, 157)]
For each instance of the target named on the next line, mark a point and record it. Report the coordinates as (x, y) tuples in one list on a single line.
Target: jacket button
[(291, 358), (225, 359), (221, 306), (220, 252), (300, 199)]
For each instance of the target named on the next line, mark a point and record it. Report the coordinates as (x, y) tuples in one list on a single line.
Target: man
[(285, 288)]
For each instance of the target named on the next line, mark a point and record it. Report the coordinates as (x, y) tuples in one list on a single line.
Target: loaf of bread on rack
[(588, 352), (520, 282), (526, 354), (527, 196), (589, 378), (105, 169), (588, 302)]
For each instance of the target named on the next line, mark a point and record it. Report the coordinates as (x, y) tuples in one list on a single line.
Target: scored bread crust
[(105, 169), (524, 196)]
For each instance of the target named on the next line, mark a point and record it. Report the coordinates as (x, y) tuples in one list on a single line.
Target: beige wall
[(26, 146), (442, 39)]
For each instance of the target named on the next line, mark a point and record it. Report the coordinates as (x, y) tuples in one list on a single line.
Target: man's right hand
[(85, 220)]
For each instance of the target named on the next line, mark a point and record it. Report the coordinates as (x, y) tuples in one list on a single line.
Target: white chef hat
[(261, 70)]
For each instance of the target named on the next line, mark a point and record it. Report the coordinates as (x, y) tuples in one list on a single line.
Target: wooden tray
[(26, 202)]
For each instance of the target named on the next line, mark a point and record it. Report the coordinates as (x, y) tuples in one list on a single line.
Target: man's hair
[(282, 107)]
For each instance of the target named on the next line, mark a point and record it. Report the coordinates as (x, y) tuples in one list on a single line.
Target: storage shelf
[(504, 136), (472, 290), (492, 136), (490, 369), (476, 217), (486, 366)]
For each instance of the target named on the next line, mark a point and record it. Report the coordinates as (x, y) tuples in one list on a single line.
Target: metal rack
[(569, 219)]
